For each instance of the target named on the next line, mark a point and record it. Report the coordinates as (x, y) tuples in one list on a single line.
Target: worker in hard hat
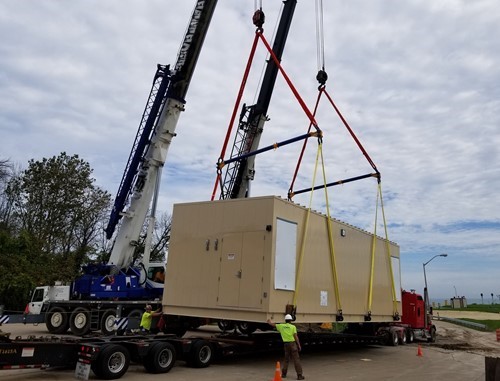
[(147, 317), (292, 345)]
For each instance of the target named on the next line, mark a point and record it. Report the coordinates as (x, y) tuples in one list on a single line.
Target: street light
[(426, 295)]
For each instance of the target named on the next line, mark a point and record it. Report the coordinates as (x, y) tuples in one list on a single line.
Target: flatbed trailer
[(109, 357), (237, 344)]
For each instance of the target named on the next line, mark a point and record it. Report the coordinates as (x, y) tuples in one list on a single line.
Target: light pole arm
[(426, 294)]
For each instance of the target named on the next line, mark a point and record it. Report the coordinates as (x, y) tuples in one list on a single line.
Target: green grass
[(492, 325), (494, 308)]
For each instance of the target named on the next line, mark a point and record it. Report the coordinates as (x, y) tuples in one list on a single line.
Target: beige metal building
[(247, 259)]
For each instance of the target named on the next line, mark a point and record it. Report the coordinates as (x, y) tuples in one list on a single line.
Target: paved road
[(366, 363)]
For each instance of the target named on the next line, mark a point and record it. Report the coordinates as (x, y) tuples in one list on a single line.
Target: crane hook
[(259, 18)]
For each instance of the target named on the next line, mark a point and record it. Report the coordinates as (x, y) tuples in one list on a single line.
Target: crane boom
[(147, 170), (239, 174)]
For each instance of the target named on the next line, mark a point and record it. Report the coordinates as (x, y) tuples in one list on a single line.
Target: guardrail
[(465, 323)]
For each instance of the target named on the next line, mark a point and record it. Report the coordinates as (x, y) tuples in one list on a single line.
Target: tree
[(6, 171), (57, 205), (160, 239)]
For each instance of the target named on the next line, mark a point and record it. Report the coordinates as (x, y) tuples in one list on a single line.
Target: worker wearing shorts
[(292, 345)]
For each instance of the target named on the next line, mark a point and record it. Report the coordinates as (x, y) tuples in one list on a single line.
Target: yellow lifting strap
[(330, 238), (372, 266), (389, 257), (319, 155), (304, 236)]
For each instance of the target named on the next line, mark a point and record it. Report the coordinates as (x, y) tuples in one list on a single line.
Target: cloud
[(417, 82)]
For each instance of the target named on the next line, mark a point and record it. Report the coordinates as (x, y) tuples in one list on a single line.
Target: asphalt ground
[(342, 363)]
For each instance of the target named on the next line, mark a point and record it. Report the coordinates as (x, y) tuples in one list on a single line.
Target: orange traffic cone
[(277, 372), (419, 351)]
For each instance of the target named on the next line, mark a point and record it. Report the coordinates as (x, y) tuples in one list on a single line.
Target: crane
[(239, 173)]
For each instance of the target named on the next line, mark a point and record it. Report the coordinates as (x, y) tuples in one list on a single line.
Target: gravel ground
[(451, 336)]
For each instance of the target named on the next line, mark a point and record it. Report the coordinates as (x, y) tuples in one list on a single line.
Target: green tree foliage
[(159, 240), (56, 218), (6, 171)]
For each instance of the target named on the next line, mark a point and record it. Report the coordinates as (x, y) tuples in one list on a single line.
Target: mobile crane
[(90, 302)]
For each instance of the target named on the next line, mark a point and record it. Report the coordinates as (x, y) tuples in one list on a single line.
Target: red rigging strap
[(299, 161), (236, 107), (352, 133), (289, 82)]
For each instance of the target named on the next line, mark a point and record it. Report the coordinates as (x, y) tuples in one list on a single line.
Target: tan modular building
[(247, 259)]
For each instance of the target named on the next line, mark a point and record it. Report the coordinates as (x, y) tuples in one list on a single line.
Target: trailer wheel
[(432, 338), (80, 321), (246, 328), (56, 320), (394, 339), (112, 362), (201, 354), (410, 335), (402, 339), (108, 322), (160, 358), (225, 325)]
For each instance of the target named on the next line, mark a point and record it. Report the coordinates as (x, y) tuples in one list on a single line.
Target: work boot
[(300, 377)]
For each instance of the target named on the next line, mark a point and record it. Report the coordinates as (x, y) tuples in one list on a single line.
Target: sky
[(418, 82)]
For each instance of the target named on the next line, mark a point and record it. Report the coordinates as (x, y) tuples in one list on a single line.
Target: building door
[(230, 270), (252, 270), (241, 269)]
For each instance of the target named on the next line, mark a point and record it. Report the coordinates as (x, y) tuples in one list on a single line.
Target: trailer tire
[(112, 362), (56, 320), (403, 339), (432, 338), (160, 358), (79, 321), (393, 337), (410, 335), (108, 319), (246, 328), (225, 325), (201, 354)]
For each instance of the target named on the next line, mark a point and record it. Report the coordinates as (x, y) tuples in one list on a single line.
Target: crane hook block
[(322, 77), (258, 18)]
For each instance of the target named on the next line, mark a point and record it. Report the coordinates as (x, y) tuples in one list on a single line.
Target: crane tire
[(108, 319), (56, 320), (79, 321)]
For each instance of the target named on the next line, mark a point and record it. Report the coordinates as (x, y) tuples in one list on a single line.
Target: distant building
[(458, 302)]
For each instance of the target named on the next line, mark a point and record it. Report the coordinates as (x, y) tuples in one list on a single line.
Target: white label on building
[(323, 298)]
